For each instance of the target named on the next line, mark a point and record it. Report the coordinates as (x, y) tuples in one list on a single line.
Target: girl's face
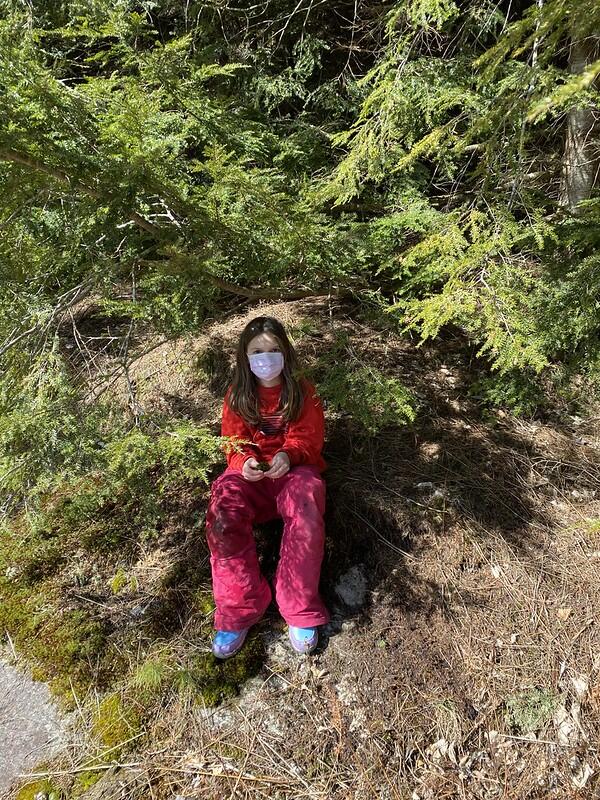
[(258, 345)]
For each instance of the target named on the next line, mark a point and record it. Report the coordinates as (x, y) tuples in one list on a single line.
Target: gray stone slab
[(31, 727)]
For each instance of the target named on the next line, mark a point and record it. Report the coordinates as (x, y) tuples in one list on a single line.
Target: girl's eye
[(258, 352)]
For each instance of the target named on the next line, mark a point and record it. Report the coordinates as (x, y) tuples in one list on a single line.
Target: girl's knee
[(303, 492), (307, 479), (228, 530)]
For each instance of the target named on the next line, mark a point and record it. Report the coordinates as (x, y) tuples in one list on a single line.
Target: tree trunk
[(581, 158)]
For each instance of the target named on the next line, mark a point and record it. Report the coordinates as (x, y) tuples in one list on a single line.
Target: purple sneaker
[(228, 643), (304, 640)]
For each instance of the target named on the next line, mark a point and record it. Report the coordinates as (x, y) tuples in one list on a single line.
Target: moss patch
[(85, 781), (44, 788), (217, 680), (115, 723), (67, 647)]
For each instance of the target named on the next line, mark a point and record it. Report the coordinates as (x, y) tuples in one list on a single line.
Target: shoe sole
[(301, 649)]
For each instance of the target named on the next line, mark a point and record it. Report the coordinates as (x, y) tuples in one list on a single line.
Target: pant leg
[(301, 504), (241, 593)]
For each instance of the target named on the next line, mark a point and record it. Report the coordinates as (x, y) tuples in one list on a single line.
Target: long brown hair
[(243, 397)]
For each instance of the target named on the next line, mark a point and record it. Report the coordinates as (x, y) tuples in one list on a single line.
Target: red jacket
[(301, 439)]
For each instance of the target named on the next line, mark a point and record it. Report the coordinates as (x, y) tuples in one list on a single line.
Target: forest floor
[(462, 570)]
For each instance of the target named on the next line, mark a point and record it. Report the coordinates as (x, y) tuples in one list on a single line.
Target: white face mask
[(266, 365)]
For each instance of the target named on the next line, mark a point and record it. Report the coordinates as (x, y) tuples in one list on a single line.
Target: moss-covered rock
[(37, 789), (217, 680)]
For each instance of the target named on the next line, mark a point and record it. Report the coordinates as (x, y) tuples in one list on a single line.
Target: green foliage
[(140, 470), (368, 396), (516, 391), (204, 602), (118, 581), (530, 710), (67, 647), (487, 263), (187, 151), (45, 434), (202, 678), (90, 486), (152, 674), (291, 83), (371, 399), (204, 153), (84, 781), (85, 478)]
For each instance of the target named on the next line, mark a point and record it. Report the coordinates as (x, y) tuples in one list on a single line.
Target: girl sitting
[(275, 473)]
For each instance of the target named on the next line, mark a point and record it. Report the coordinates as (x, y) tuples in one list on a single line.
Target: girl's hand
[(250, 470), (279, 466)]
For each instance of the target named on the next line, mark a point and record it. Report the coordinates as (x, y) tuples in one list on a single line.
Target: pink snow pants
[(241, 592)]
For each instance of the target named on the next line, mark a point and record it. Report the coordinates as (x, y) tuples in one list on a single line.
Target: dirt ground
[(462, 571)]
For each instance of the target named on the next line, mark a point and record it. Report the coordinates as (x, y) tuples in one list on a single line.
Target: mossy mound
[(217, 680), (37, 789)]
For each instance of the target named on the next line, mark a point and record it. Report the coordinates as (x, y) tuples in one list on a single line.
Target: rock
[(580, 773), (116, 783), (581, 685), (351, 588), (567, 731), (31, 728), (348, 694)]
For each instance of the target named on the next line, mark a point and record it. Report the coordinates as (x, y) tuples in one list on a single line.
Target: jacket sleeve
[(304, 439), (236, 427)]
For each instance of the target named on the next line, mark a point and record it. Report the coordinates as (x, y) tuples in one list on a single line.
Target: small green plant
[(530, 710), (118, 581), (373, 400), (152, 674), (85, 781), (204, 602)]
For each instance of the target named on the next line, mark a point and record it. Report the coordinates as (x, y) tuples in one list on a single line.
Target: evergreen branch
[(250, 293), (32, 163), (260, 294)]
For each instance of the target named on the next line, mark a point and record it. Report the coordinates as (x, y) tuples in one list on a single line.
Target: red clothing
[(242, 593), (301, 439)]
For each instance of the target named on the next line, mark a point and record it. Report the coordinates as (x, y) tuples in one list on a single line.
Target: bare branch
[(65, 301)]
